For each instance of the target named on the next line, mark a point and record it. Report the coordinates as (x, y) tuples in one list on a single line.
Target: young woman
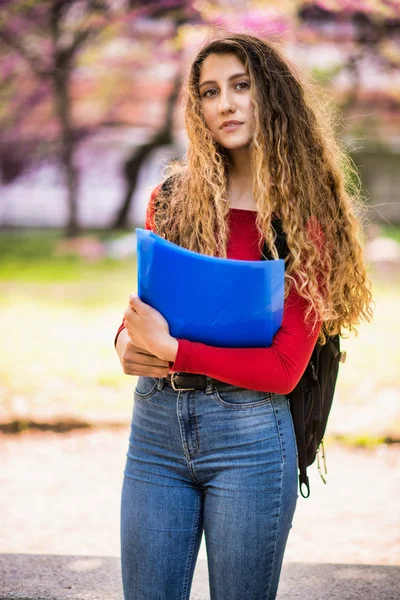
[(212, 446)]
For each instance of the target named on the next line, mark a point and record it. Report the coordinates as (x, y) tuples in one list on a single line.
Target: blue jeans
[(222, 461)]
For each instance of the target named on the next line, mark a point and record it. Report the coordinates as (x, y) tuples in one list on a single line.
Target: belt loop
[(160, 384), (210, 387)]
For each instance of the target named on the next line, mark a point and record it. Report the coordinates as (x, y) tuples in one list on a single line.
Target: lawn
[(58, 317)]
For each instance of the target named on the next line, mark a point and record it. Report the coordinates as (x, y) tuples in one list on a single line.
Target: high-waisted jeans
[(222, 461)]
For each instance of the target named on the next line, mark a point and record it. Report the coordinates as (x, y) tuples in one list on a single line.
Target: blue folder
[(217, 301)]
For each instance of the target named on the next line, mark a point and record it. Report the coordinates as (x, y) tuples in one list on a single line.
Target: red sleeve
[(275, 369), (120, 328), (151, 209), (149, 224)]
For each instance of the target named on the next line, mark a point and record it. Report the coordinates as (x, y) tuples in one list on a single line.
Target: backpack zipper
[(314, 372)]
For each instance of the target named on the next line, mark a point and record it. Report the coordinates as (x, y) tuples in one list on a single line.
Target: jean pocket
[(146, 387), (240, 398)]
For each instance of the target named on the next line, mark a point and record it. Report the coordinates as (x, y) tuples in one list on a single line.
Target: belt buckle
[(179, 389)]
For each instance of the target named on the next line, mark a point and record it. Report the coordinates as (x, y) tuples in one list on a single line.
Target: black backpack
[(311, 399)]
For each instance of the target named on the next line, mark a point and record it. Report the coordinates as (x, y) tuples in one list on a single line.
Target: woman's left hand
[(148, 329)]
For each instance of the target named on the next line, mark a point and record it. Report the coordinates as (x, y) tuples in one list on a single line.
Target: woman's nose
[(226, 102)]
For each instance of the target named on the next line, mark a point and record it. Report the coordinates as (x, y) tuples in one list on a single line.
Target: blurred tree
[(133, 164), (47, 36), (178, 14), (368, 29), (44, 39), (68, 67)]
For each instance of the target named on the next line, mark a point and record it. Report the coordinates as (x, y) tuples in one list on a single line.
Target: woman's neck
[(240, 163), (240, 186)]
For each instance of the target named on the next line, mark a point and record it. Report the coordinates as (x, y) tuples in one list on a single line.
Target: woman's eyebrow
[(229, 79)]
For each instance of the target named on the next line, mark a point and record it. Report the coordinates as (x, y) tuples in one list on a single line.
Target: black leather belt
[(187, 381)]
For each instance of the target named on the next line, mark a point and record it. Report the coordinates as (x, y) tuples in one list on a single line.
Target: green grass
[(58, 318), (28, 245), (361, 440), (31, 256), (40, 244), (391, 231)]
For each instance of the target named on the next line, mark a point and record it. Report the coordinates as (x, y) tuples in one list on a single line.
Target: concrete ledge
[(41, 577)]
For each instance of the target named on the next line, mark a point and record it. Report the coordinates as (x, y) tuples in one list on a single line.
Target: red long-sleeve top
[(277, 368)]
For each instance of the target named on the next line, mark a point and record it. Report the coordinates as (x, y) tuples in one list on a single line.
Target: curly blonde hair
[(301, 175)]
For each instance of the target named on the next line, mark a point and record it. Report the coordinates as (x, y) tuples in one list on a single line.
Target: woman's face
[(226, 101)]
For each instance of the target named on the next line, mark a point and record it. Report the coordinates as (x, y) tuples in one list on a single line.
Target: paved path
[(60, 495), (41, 577)]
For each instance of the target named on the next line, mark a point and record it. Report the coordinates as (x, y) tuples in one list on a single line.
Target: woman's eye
[(241, 85)]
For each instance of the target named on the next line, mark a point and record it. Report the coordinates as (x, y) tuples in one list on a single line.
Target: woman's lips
[(231, 126)]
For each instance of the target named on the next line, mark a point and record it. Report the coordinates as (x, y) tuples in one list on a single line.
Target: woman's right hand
[(137, 361)]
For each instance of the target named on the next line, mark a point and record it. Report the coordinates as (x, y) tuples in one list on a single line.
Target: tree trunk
[(61, 81), (135, 162), (353, 68), (67, 151)]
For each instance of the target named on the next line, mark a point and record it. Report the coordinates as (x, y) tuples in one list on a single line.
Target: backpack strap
[(166, 186), (280, 242), (297, 410)]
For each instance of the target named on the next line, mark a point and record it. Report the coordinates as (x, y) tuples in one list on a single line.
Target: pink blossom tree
[(41, 42)]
